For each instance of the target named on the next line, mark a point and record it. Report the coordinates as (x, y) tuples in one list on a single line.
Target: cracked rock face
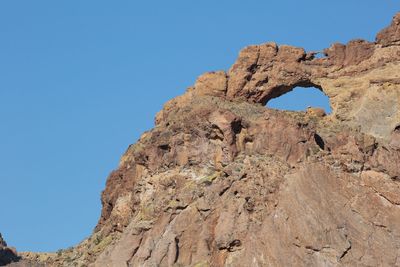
[(224, 181)]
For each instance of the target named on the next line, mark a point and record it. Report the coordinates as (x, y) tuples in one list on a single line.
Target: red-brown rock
[(224, 181)]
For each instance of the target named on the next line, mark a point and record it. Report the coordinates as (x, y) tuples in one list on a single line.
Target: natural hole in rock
[(165, 147), (300, 98), (236, 127), (320, 55)]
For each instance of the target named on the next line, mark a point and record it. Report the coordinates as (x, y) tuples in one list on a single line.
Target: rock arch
[(300, 98), (349, 74)]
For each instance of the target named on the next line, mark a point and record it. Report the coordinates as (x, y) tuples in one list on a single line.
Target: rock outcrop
[(7, 254), (224, 181)]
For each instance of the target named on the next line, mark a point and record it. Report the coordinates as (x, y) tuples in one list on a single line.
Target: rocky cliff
[(222, 180)]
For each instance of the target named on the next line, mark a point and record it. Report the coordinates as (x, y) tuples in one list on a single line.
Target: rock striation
[(222, 180)]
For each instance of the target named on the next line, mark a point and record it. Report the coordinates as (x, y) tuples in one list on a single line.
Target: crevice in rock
[(313, 248), (253, 68), (176, 249), (386, 198), (134, 252), (234, 245), (345, 252), (319, 141), (224, 190)]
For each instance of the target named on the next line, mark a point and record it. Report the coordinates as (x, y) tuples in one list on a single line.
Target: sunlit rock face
[(224, 181)]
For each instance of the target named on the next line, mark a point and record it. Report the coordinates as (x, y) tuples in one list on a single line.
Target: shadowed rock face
[(224, 181), (7, 255)]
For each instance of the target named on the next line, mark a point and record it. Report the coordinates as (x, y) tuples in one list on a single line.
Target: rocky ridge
[(224, 181)]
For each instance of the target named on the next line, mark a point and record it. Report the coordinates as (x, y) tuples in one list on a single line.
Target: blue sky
[(81, 80)]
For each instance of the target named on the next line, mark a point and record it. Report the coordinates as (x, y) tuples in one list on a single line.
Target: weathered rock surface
[(224, 181)]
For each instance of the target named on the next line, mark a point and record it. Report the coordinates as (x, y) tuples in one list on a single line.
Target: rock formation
[(7, 254), (222, 180)]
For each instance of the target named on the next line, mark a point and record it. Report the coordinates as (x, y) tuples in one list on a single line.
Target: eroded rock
[(224, 181)]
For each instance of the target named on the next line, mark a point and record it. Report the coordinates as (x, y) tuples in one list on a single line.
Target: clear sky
[(81, 80)]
